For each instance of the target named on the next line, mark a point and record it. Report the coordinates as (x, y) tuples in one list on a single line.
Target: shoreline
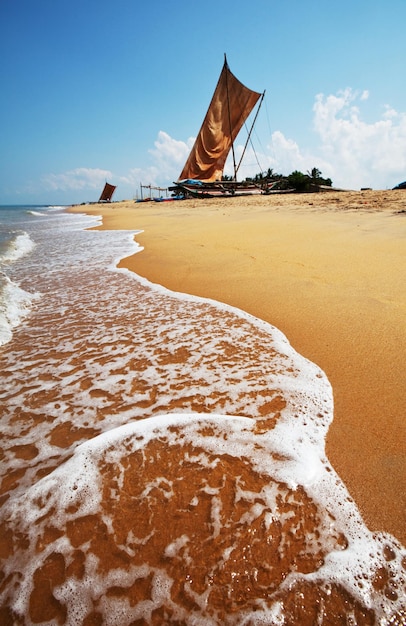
[(328, 271)]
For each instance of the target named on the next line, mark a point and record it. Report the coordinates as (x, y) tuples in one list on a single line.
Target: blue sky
[(95, 90)]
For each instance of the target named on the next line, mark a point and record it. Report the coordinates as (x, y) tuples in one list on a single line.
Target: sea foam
[(204, 528), (164, 462), (19, 246), (15, 302), (15, 305)]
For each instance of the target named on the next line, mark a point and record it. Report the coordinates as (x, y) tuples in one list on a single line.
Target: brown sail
[(230, 106), (107, 193)]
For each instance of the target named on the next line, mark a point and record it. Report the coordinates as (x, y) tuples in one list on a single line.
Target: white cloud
[(290, 157), (352, 152), (137, 175), (168, 159), (76, 179), (170, 154), (360, 154), (390, 112)]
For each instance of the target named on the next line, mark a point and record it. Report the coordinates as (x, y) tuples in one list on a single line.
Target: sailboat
[(230, 106), (107, 193)]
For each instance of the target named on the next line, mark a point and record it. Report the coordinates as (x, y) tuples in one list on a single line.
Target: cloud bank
[(77, 179), (360, 153), (347, 149)]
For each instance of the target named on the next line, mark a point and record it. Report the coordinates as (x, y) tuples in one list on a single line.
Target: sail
[(230, 106), (107, 193)]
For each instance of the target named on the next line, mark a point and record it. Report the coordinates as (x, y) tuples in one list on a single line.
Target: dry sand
[(329, 271)]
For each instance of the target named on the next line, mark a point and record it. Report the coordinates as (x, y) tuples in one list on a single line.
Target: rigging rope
[(249, 134), (253, 149), (258, 139), (270, 132)]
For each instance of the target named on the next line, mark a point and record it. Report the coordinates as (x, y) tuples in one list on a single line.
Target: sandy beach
[(328, 271)]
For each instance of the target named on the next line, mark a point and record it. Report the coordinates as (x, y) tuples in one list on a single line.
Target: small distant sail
[(107, 193), (230, 106)]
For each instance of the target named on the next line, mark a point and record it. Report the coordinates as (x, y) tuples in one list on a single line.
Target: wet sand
[(328, 271)]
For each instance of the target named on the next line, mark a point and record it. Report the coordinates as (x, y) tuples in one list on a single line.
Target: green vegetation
[(311, 181)]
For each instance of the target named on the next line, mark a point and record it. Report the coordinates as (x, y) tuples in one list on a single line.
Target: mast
[(229, 118)]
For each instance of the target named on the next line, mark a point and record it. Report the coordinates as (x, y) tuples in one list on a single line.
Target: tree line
[(298, 181)]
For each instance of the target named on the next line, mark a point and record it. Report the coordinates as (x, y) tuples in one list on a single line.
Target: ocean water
[(163, 456)]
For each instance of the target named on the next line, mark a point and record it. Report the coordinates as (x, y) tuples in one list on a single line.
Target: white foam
[(17, 248), (15, 305), (117, 337), (36, 213), (73, 490)]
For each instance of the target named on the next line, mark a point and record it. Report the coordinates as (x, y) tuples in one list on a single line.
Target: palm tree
[(315, 175)]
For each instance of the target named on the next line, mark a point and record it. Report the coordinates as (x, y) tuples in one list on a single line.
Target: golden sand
[(329, 271)]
